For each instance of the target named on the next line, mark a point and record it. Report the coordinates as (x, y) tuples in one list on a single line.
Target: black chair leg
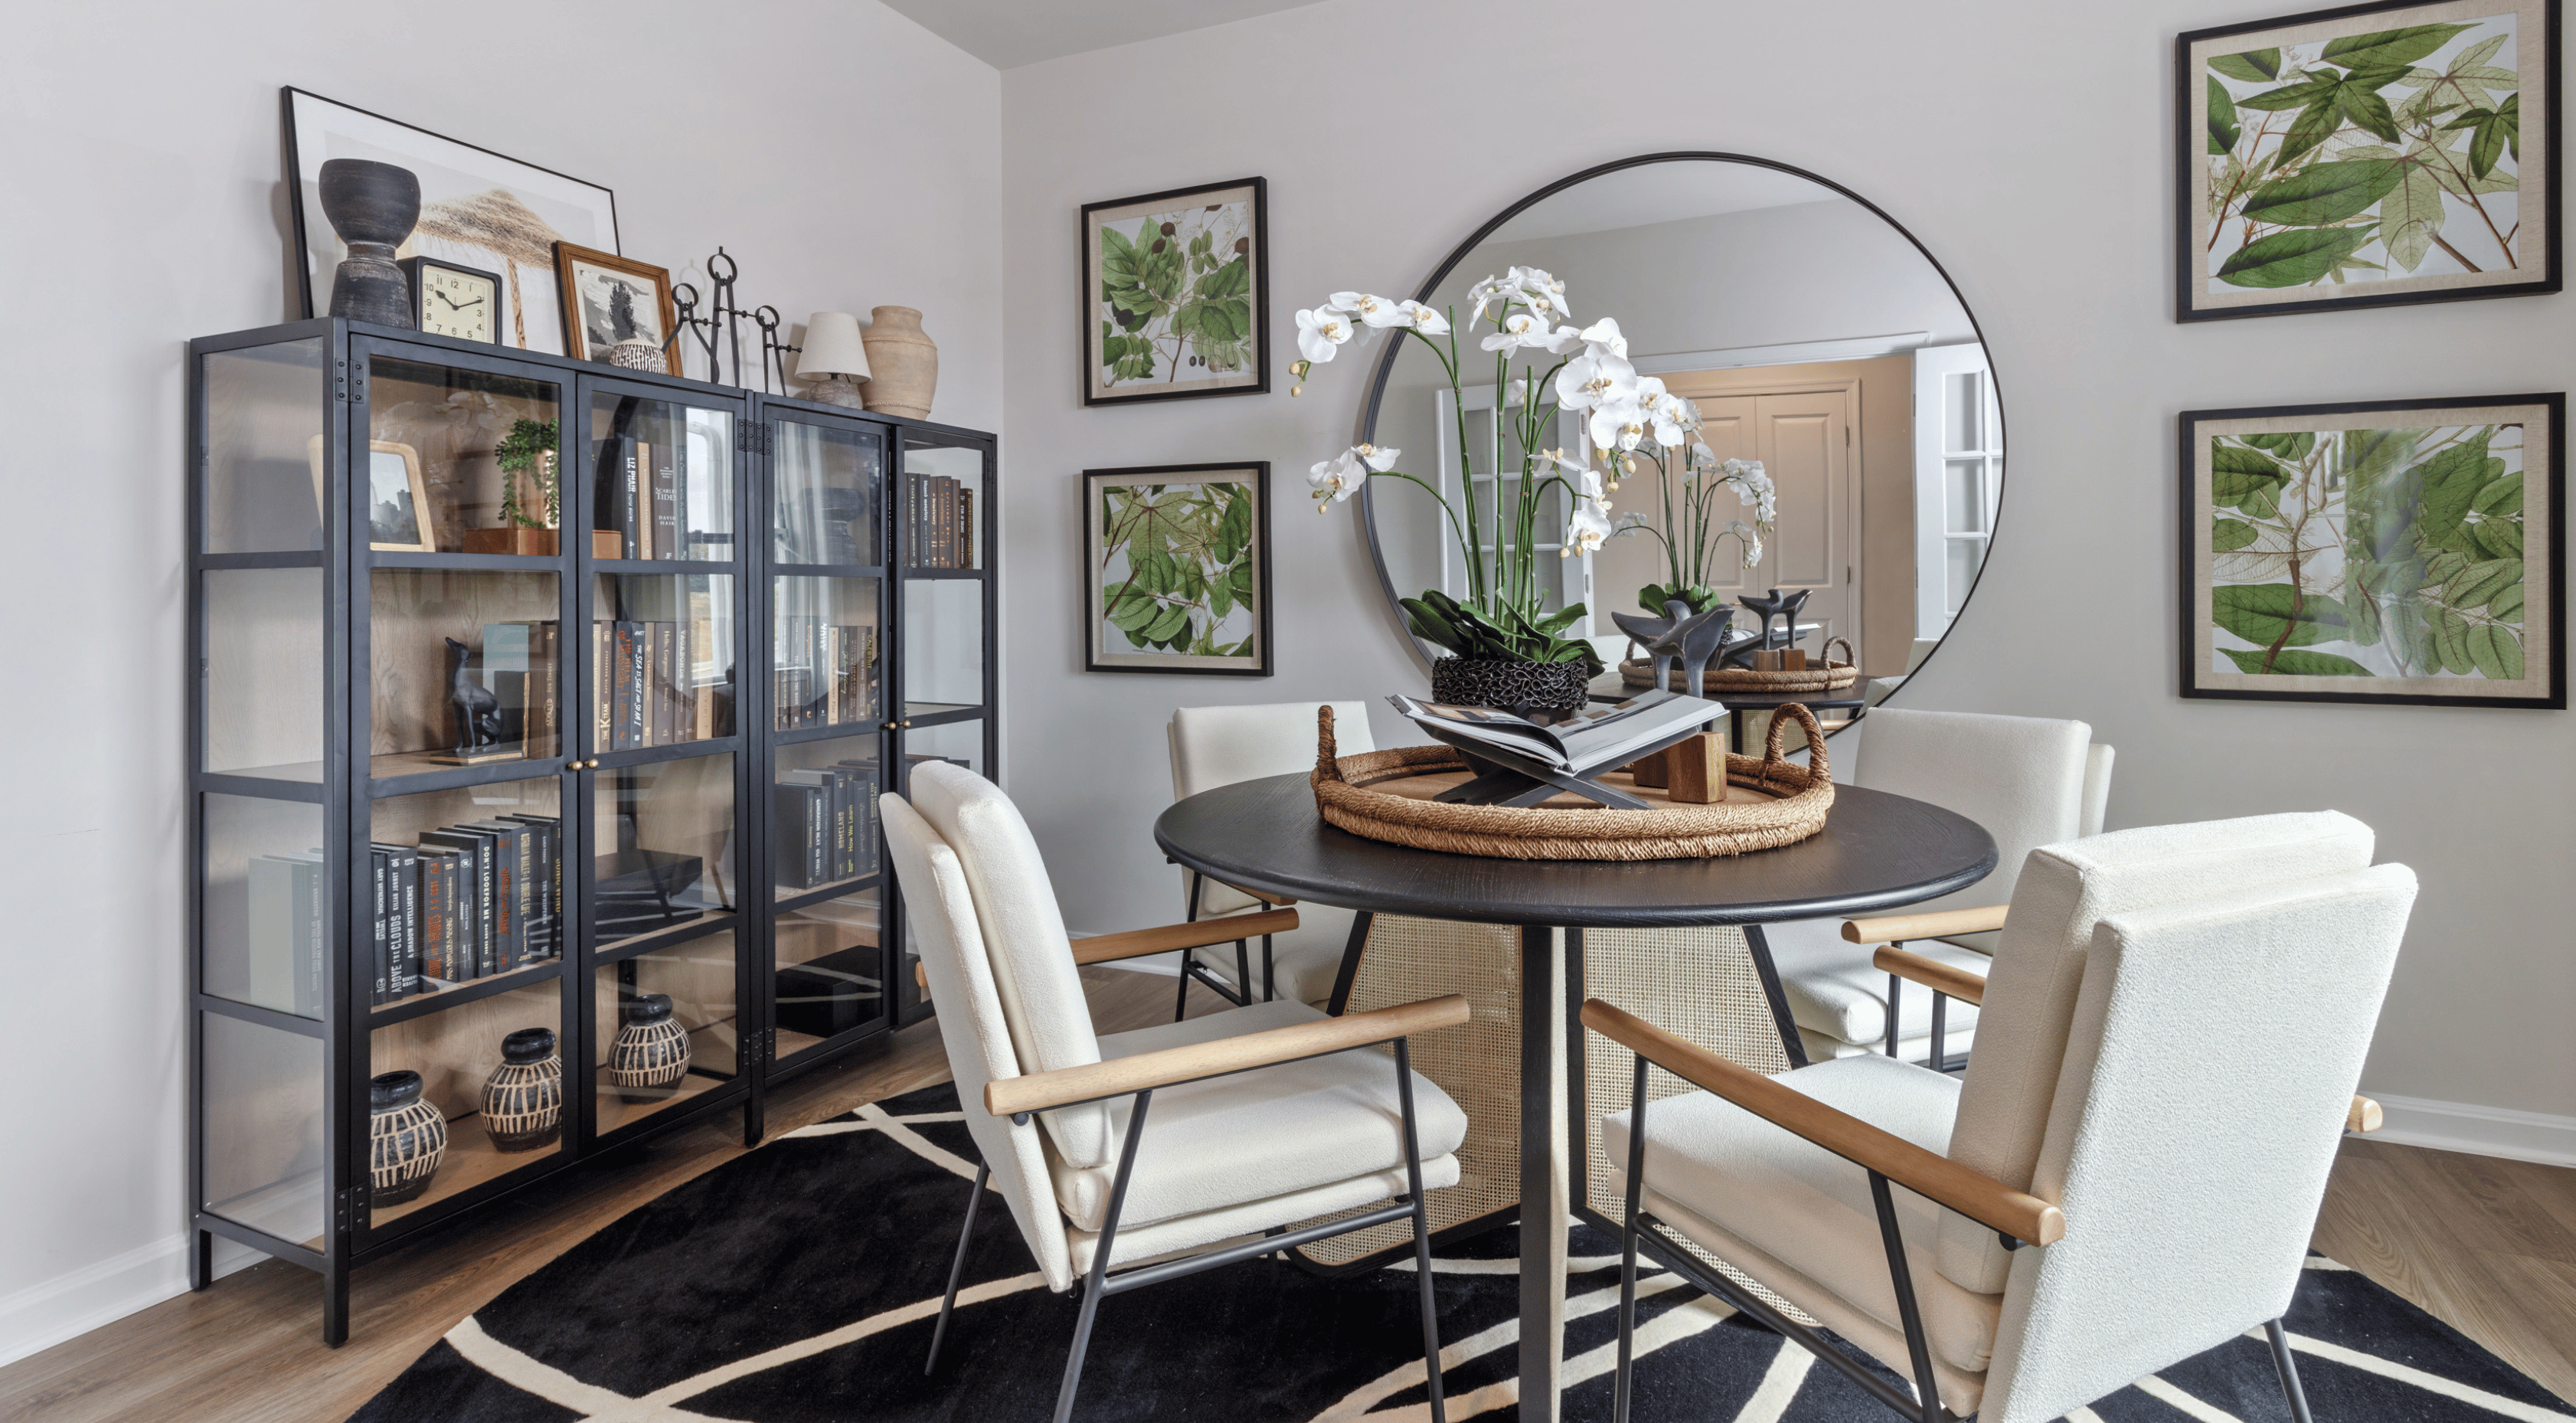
[(2289, 1371), (1099, 1274), (1421, 1231), (957, 1267), (1895, 990), (1269, 975), (1628, 1245), (1243, 971), (1181, 997)]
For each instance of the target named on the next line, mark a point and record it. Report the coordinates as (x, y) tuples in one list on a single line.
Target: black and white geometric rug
[(799, 1282)]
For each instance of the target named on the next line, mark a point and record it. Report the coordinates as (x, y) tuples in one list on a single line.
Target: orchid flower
[(1485, 293), (1663, 410), (1320, 331), (1604, 335), (1586, 531), (1379, 461), (1424, 319), (1565, 342), (1545, 292), (1372, 310), (1515, 330), (1750, 538), (1596, 377), (1619, 425), (1336, 479)]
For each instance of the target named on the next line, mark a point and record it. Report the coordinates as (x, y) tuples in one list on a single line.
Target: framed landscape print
[(1176, 569), (616, 310), (477, 209), (2405, 551), (2367, 156), (1176, 294)]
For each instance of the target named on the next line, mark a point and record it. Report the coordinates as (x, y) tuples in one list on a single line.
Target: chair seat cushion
[(1270, 1132), (1809, 1209), (1821, 1048), (1834, 989)]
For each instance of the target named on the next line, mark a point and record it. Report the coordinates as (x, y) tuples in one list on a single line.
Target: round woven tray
[(1791, 806), (1832, 677)]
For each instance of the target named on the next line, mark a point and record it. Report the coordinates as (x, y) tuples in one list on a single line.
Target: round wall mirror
[(1814, 335)]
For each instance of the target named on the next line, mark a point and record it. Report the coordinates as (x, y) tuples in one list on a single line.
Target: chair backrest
[(2213, 1054), (1024, 939), (1218, 746), (2039, 968), (972, 1027), (2021, 777), (2097, 789)]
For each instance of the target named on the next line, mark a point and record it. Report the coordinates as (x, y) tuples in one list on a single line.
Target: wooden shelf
[(471, 1161), (293, 1209), (418, 1005), (617, 1115)]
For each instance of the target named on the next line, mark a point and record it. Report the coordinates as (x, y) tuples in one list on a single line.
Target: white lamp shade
[(832, 348)]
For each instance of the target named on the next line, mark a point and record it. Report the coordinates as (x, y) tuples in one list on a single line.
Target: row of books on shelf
[(824, 822), (826, 673), (467, 902), (940, 513), (657, 686), (644, 498)]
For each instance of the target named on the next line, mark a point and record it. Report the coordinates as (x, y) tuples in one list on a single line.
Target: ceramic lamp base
[(836, 390)]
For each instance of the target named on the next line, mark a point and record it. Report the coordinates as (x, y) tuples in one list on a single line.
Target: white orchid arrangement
[(1587, 371), (1689, 533)]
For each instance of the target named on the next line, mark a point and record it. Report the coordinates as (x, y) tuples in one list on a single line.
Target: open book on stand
[(1523, 762)]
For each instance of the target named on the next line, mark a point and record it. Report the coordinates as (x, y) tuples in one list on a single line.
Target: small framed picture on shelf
[(2403, 551), (397, 496), (2372, 155), (1176, 569), (1176, 294), (616, 310)]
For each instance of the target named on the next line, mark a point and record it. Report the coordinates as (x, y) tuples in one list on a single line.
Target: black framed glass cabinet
[(537, 710)]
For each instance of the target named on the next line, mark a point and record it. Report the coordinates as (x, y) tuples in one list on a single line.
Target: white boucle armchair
[(1263, 1117), (2128, 1175)]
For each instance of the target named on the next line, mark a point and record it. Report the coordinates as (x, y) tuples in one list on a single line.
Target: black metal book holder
[(1508, 778)]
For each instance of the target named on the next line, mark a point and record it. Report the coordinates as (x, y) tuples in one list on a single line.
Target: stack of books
[(940, 512), (824, 826), (827, 673), (657, 682), (644, 486)]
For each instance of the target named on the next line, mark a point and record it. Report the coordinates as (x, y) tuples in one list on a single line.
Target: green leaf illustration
[(2293, 446), (2506, 605), (2259, 612), (2294, 663), (2496, 652), (2229, 535), (2501, 498), (2411, 215), (2450, 480), (2294, 258), (2324, 193), (2294, 96), (2391, 47), (2498, 538), (2482, 581), (2254, 66), (2223, 128), (2450, 640)]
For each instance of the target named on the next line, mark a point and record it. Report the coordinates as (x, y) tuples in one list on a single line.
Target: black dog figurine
[(478, 712)]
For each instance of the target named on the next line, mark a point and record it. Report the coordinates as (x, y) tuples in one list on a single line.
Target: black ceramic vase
[(651, 1052), (1481, 682), (406, 1138), (373, 207), (523, 1098)]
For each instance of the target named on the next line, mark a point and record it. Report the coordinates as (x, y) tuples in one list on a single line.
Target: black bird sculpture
[(1781, 605), (478, 712), (1681, 636)]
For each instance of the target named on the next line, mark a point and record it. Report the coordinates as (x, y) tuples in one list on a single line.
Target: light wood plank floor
[(2488, 1245)]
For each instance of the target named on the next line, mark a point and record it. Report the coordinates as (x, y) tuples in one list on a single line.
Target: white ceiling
[(1661, 192), (1009, 33)]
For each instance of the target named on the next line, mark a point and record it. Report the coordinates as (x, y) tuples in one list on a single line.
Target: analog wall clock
[(448, 300)]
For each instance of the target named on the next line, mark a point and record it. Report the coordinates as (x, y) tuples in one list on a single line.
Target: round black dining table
[(1877, 852)]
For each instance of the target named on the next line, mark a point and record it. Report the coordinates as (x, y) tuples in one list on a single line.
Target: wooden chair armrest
[(1931, 973), (2364, 1115), (1119, 1076), (1101, 948), (1971, 1193), (1939, 924)]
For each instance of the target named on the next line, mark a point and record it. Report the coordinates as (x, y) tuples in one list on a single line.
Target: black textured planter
[(373, 206), (1539, 686), (406, 1137)]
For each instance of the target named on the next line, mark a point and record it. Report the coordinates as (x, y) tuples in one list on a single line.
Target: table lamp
[(833, 358)]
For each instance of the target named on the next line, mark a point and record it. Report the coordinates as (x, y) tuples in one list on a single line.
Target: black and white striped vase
[(406, 1138), (651, 1052), (523, 1098)]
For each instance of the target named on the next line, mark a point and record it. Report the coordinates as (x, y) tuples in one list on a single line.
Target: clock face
[(458, 304)]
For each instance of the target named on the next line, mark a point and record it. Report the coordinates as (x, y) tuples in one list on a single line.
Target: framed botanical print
[(2403, 551), (1176, 569), (1176, 294), (2367, 156), (616, 310), (478, 211)]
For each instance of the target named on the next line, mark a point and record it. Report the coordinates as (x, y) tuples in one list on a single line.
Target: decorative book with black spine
[(513, 891), (666, 505), (477, 949), (380, 926)]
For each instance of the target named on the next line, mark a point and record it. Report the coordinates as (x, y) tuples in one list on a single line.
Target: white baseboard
[(2480, 1131), (42, 1315)]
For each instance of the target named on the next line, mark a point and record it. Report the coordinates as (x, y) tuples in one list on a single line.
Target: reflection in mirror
[(1812, 335)]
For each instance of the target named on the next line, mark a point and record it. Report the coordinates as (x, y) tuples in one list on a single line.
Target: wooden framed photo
[(479, 211), (616, 310), (1176, 569), (397, 495), (2372, 155), (1176, 294), (2402, 551)]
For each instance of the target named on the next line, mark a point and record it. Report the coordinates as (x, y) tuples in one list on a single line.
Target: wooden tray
[(1831, 677)]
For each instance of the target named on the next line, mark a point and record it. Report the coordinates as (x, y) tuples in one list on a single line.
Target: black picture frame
[(1096, 310), (419, 293), (2546, 688), (2193, 132), (1261, 661)]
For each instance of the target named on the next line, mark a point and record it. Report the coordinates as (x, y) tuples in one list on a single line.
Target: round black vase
[(523, 1098), (650, 1053), (406, 1138), (373, 207), (1482, 682)]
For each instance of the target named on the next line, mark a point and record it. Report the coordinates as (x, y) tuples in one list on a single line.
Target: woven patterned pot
[(406, 1138), (650, 1054), (523, 1098), (1481, 682)]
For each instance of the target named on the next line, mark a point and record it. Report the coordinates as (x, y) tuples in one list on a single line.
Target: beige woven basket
[(1832, 677), (1790, 806)]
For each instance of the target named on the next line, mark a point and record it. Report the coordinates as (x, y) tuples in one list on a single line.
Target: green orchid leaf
[(2254, 66), (2229, 535), (2391, 47), (2324, 193), (2261, 612), (2292, 662), (2294, 258)]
